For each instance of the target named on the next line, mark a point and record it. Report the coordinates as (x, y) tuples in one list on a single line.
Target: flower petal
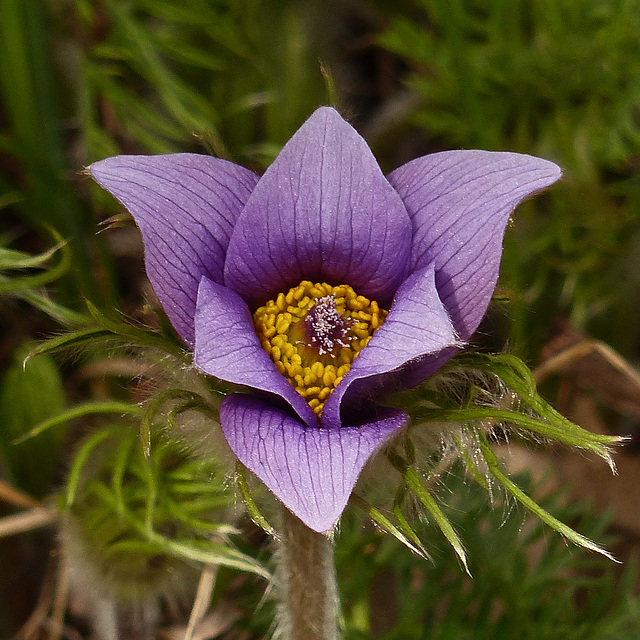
[(417, 326), (460, 203), (323, 211), (228, 348), (185, 205), (312, 470)]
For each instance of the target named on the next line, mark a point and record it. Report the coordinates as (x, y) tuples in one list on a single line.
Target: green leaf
[(80, 459), (470, 464), (212, 554), (13, 259), (81, 411), (108, 329), (73, 339), (30, 395), (421, 492), (386, 525), (10, 259), (252, 508), (60, 313), (569, 434), (330, 86), (537, 417), (136, 335), (183, 400), (407, 530), (529, 503)]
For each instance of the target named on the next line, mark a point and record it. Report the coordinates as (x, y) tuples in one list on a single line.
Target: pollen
[(314, 332)]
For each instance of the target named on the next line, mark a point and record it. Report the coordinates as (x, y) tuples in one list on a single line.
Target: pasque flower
[(320, 286)]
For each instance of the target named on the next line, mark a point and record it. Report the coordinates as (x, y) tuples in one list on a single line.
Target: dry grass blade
[(60, 600), (218, 622), (594, 365), (18, 498), (203, 598), (26, 521)]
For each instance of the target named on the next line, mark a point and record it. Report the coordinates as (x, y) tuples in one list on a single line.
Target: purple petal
[(228, 348), (460, 203), (323, 211), (185, 205), (312, 470), (417, 327)]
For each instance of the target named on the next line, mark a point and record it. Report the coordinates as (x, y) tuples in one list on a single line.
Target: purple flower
[(321, 285)]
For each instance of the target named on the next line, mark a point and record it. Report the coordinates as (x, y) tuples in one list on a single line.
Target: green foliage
[(239, 75), (34, 147), (23, 276), (247, 498), (475, 398), (137, 518), (556, 79), (526, 583), (494, 68), (12, 260), (29, 395), (83, 80), (79, 411), (98, 327)]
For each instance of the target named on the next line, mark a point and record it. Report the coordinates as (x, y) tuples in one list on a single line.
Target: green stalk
[(308, 590)]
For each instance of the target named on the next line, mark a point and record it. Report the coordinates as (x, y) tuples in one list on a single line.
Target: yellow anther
[(283, 322), (313, 333), (324, 393), (362, 330), (317, 368), (329, 376), (296, 371), (278, 341), (347, 357)]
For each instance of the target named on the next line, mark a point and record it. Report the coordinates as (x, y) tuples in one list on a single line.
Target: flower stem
[(308, 581)]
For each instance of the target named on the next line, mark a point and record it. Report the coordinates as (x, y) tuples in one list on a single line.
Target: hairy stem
[(307, 582)]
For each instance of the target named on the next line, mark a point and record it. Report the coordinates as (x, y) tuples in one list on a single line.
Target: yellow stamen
[(314, 332)]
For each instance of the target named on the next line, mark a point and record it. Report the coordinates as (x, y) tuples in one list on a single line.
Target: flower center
[(314, 332)]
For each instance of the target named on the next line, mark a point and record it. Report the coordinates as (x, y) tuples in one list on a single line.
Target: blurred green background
[(85, 79)]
